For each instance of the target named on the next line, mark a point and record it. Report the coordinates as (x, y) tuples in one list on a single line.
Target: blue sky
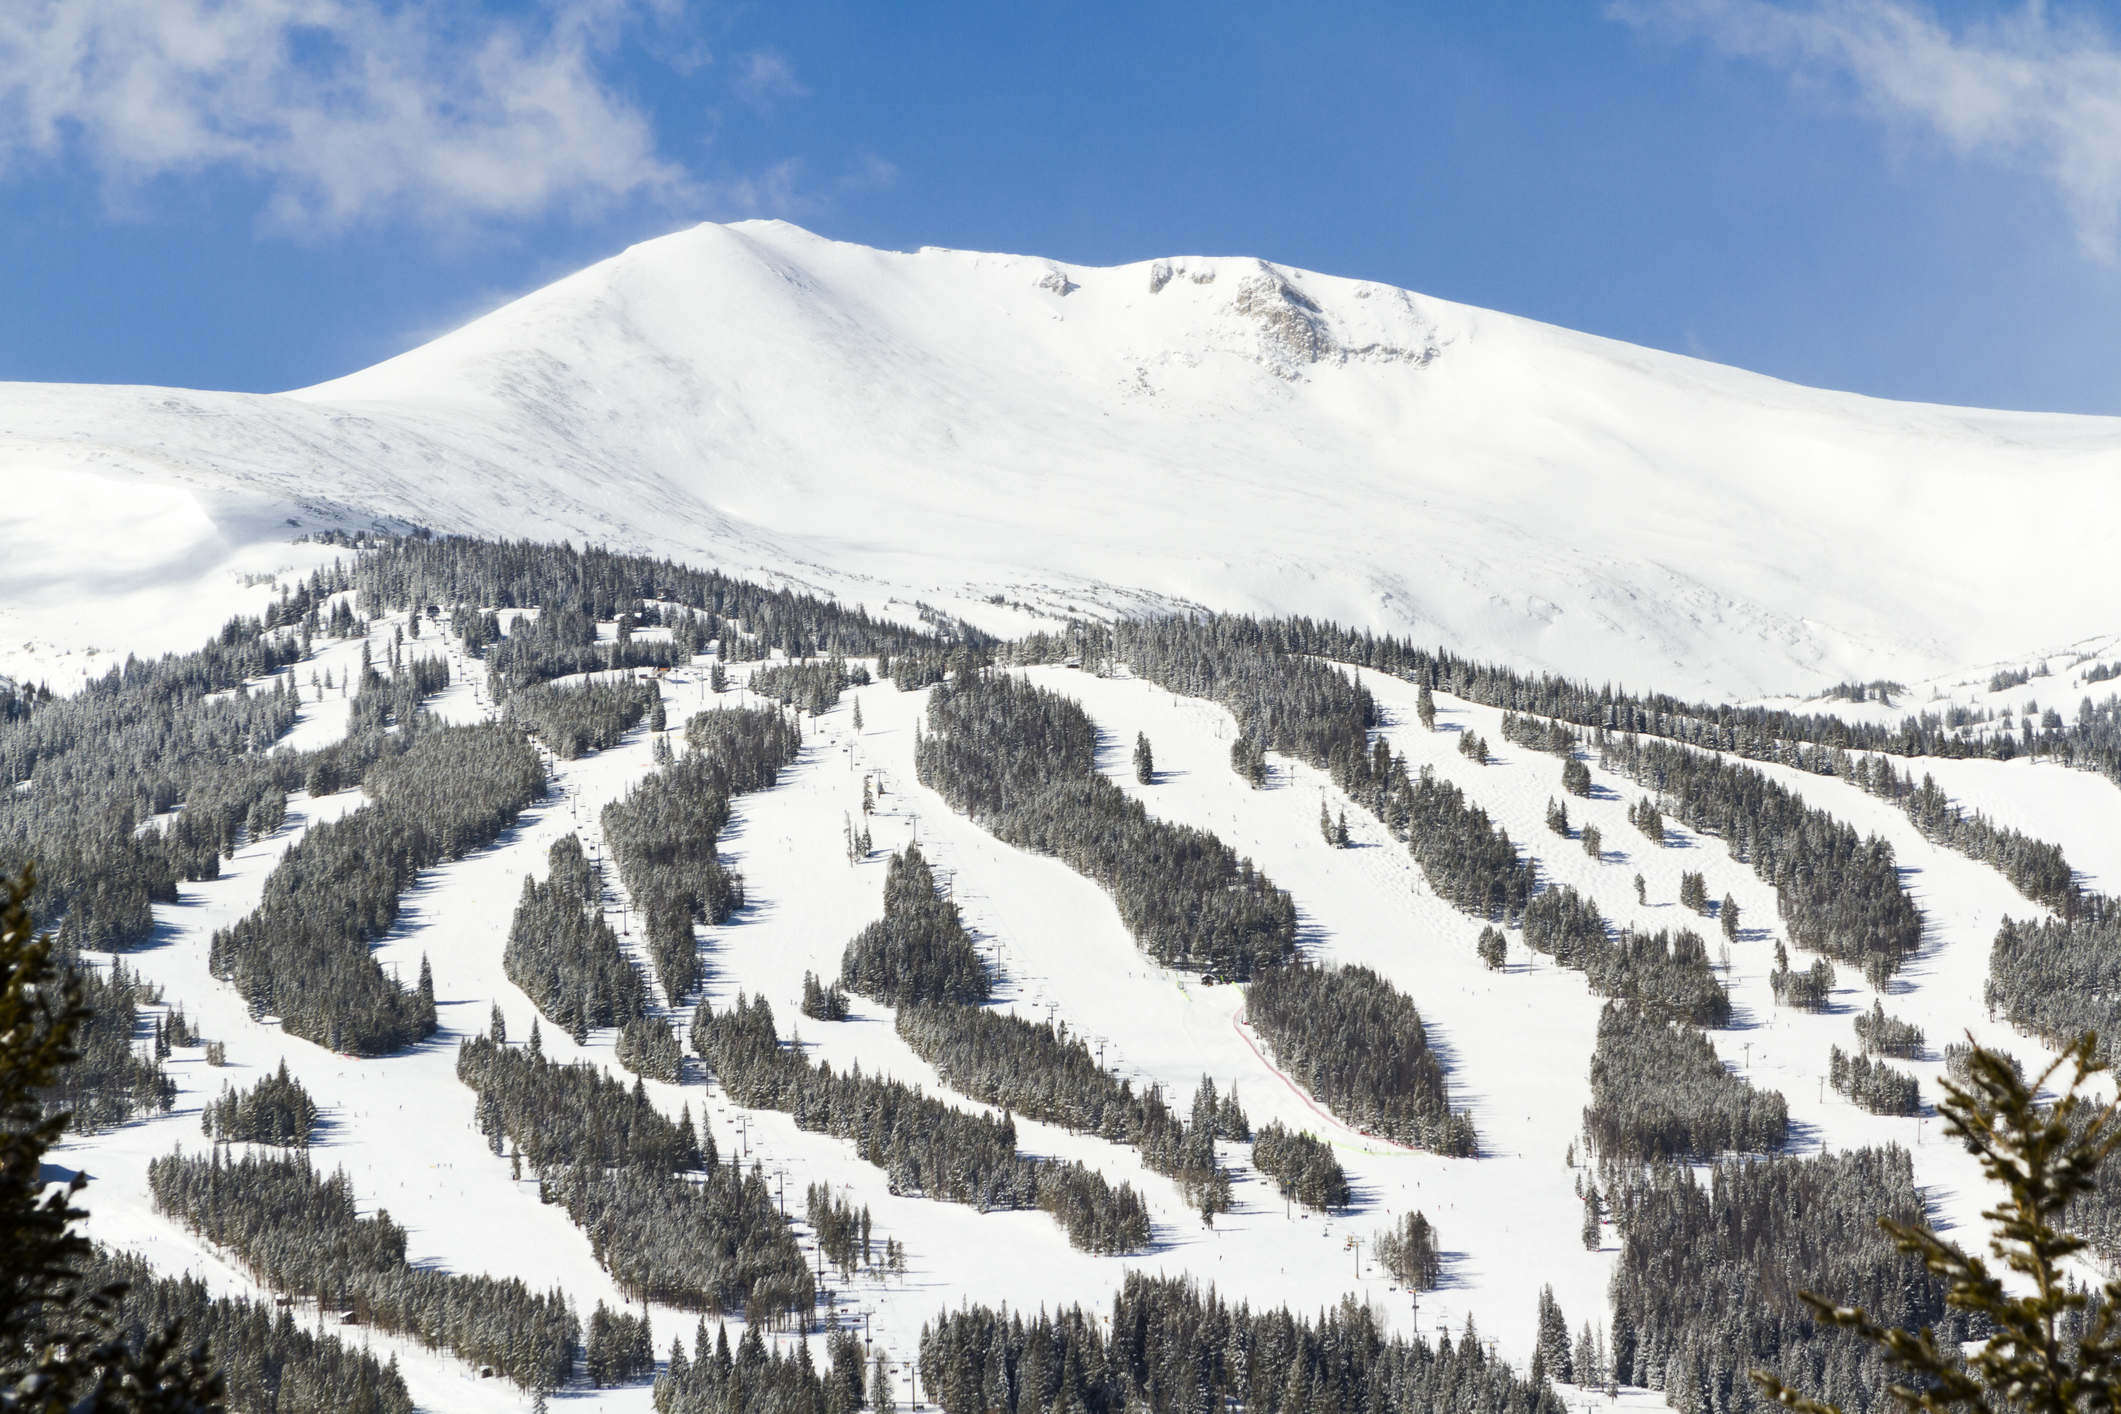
[(1908, 200)]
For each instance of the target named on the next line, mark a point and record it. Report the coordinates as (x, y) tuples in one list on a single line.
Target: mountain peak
[(1220, 432)]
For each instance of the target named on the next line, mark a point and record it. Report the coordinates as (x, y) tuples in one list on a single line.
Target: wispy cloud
[(2034, 88), (344, 110), (764, 76)]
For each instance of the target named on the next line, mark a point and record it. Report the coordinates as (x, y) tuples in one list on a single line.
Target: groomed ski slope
[(1517, 1042)]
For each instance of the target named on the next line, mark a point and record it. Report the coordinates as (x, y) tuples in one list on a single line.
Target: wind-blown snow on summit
[(1001, 435)]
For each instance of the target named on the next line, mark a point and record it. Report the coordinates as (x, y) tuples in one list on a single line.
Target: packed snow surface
[(1011, 438)]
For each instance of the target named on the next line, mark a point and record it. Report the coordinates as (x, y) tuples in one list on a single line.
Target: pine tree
[(1425, 708), (58, 1342), (1557, 817), (1493, 947), (1144, 760), (1553, 1347)]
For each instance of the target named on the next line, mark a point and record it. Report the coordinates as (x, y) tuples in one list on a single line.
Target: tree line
[(1659, 1090), (1664, 972), (664, 1216), (755, 1379), (925, 1146), (1707, 1285), (1321, 715), (300, 1233), (80, 776), (662, 834), (406, 572), (304, 953), (1838, 893), (563, 953), (268, 1361), (1171, 1347), (573, 718), (1038, 1069), (110, 1081), (1021, 761), (2058, 979), (1356, 1043), (277, 1110)]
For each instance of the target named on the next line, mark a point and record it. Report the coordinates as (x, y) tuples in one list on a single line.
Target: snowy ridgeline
[(566, 955), (1232, 434)]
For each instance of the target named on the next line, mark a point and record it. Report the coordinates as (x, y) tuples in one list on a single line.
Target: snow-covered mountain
[(1008, 437)]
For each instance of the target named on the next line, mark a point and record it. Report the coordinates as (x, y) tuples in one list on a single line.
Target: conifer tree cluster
[(1170, 1347), (408, 572), (80, 776), (1551, 1356), (1357, 1044), (1707, 1288), (300, 1233), (823, 1003), (1665, 972), (276, 1110), (1659, 1090), (268, 1361), (563, 953), (812, 687), (662, 835), (1808, 990), (626, 1175), (111, 1081), (1038, 1069), (917, 958), (620, 1349), (925, 1146), (1021, 761), (1302, 1167), (560, 642), (2035, 868), (647, 1046), (1882, 1035), (1228, 659), (2059, 979), (1409, 1252), (1840, 894), (572, 718), (845, 1233), (1322, 716), (1541, 734), (304, 954), (1874, 1085), (918, 951), (757, 1379)]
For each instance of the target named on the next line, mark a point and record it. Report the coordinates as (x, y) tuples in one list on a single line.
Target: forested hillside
[(527, 973)]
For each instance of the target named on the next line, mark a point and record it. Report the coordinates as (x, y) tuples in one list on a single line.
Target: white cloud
[(2032, 89), (345, 110), (767, 76)]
